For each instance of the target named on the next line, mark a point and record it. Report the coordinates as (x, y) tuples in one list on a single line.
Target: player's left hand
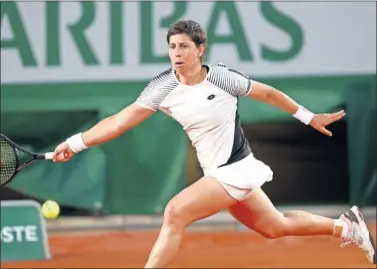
[(320, 121)]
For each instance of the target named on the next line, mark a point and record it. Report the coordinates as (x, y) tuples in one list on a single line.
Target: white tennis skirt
[(241, 177)]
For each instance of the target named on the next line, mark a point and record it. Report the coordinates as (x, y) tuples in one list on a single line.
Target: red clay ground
[(200, 249)]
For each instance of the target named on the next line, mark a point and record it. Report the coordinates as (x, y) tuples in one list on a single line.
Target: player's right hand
[(62, 153)]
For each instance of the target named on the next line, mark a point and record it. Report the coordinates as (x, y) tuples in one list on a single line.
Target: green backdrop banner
[(361, 107)]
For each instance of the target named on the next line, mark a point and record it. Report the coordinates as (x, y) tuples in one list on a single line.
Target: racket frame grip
[(46, 156)]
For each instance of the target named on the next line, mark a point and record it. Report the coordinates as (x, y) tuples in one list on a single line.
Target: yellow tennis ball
[(50, 209)]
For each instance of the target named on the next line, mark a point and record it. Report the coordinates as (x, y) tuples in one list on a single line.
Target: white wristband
[(76, 143), (303, 115)]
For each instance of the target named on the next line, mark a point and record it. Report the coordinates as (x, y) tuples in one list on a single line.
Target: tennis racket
[(11, 163)]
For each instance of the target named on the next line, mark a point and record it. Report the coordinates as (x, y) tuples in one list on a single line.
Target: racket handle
[(49, 155)]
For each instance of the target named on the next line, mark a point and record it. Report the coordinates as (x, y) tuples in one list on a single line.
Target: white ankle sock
[(343, 224)]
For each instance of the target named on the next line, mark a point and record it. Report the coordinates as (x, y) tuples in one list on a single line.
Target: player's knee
[(273, 232), (277, 228), (174, 216)]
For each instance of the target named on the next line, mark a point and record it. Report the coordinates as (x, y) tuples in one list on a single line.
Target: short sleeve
[(230, 80), (149, 98), (242, 83), (156, 91)]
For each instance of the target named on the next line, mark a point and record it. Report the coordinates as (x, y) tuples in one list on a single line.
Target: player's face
[(183, 52)]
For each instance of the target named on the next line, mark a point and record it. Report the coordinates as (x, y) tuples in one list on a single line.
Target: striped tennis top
[(208, 111)]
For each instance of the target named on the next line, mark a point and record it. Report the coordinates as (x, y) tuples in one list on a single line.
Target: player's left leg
[(258, 213)]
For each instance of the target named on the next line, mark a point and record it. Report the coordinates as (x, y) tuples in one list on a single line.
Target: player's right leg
[(201, 199)]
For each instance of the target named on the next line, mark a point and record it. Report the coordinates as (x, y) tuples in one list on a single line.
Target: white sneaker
[(358, 233)]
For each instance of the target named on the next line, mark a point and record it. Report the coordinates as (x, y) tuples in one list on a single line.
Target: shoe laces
[(355, 238)]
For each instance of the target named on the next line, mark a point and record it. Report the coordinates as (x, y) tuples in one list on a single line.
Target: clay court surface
[(221, 249)]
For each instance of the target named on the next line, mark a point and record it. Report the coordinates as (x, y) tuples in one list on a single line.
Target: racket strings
[(8, 161)]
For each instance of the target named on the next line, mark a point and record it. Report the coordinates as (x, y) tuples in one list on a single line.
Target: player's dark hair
[(190, 28)]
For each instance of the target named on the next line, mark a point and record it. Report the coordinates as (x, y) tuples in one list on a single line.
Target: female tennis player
[(203, 99)]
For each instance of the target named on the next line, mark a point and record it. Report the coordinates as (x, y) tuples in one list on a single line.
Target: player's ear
[(201, 50)]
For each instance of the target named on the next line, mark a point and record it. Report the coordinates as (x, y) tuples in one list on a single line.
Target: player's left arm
[(268, 94)]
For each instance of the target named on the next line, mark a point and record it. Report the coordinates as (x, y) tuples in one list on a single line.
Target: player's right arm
[(115, 125), (104, 131), (112, 127)]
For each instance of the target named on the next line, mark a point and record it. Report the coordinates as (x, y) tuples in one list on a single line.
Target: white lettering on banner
[(10, 234), (102, 41)]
